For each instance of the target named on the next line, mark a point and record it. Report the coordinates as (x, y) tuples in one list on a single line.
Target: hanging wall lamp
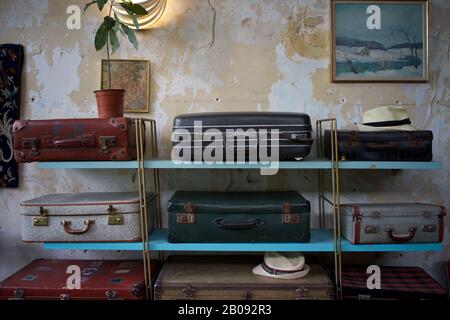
[(155, 9)]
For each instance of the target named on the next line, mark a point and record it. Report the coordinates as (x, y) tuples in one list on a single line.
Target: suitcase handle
[(87, 140), (381, 146), (238, 225), (401, 237), (69, 230)]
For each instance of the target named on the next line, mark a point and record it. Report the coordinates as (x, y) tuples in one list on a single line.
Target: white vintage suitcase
[(392, 223), (85, 217)]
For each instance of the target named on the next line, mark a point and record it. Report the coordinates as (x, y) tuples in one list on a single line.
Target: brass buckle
[(106, 142), (114, 219), (42, 219)]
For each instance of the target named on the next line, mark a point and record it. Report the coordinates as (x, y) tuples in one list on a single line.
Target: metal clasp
[(111, 295), (114, 219), (187, 217), (287, 217), (429, 228), (42, 220), (189, 291), (31, 143), (302, 293), (106, 142), (371, 229), (18, 295)]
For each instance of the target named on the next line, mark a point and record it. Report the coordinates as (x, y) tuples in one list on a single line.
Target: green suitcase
[(238, 217)]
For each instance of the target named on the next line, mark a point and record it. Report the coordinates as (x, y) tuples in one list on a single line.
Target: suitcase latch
[(371, 229), (31, 143), (106, 143), (302, 293), (42, 219), (429, 228), (287, 217), (188, 291), (187, 217), (114, 219), (111, 295), (247, 295), (18, 295)]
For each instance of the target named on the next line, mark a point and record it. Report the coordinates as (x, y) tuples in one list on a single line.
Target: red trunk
[(74, 140), (100, 280)]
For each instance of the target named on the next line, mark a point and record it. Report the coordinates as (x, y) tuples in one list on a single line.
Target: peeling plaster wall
[(221, 55)]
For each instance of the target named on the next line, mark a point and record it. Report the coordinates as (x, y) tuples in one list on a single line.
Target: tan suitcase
[(231, 278)]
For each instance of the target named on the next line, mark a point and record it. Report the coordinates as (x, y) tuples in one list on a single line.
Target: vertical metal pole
[(141, 207), (144, 193), (338, 211)]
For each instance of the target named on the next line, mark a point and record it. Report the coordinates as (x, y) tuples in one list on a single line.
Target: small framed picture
[(379, 41), (134, 77)]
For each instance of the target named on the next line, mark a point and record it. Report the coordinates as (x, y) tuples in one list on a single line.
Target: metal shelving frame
[(323, 235)]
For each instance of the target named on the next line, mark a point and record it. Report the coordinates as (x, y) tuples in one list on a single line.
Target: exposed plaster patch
[(304, 36), (56, 81)]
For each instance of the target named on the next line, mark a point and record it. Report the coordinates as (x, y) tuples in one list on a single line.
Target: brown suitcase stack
[(74, 140), (231, 278)]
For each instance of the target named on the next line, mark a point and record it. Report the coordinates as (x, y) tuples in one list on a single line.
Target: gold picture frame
[(399, 66), (132, 75)]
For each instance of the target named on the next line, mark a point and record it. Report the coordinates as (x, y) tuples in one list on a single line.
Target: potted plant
[(110, 101)]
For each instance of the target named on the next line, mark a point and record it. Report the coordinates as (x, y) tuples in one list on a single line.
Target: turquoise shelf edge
[(321, 241), (313, 163)]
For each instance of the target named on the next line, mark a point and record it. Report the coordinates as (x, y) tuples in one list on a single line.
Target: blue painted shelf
[(321, 241), (312, 163)]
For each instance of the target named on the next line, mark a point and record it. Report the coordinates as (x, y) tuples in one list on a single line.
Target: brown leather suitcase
[(74, 140), (231, 278), (99, 280)]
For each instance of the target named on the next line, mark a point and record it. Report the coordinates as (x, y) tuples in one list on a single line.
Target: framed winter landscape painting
[(379, 41)]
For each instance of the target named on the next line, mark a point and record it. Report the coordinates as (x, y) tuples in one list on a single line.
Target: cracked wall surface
[(221, 55)]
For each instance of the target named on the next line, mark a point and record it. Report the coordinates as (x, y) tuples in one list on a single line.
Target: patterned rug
[(11, 60)]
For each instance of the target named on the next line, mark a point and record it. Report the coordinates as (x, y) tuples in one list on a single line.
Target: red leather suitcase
[(397, 283), (74, 140), (100, 280)]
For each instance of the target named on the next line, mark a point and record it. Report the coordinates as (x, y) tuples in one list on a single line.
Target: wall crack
[(213, 24)]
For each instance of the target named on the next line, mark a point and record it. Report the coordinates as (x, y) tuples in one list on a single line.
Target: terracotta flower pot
[(110, 103)]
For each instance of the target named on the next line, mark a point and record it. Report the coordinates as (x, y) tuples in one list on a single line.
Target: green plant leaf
[(128, 7), (135, 21), (117, 24), (101, 37), (109, 23), (101, 4), (115, 44), (89, 4), (130, 34), (139, 10)]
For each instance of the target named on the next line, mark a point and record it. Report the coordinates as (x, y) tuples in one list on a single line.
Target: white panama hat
[(386, 118), (286, 265)]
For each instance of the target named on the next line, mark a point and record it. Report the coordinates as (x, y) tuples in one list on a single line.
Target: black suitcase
[(294, 139), (238, 217), (381, 145)]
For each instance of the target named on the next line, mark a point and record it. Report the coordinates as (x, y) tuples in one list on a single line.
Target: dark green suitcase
[(238, 217)]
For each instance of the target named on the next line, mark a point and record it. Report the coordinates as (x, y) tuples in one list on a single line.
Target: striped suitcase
[(397, 283)]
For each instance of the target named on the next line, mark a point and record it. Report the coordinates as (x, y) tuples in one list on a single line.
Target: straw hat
[(386, 118), (286, 265)]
